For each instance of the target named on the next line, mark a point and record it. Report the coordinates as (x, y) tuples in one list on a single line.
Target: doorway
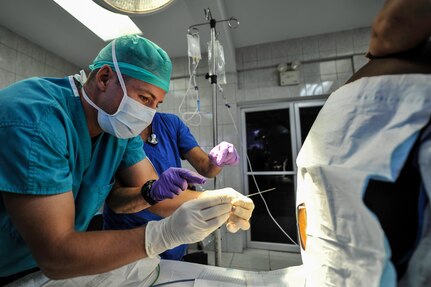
[(273, 135)]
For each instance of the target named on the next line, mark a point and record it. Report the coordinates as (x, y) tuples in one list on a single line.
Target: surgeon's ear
[(103, 76)]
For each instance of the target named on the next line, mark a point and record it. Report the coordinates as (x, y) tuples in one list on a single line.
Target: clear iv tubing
[(254, 179), (188, 116)]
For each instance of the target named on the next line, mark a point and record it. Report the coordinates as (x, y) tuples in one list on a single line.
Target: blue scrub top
[(47, 149), (174, 140)]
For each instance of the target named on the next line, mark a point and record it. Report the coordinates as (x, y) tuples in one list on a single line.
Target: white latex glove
[(190, 223), (242, 208)]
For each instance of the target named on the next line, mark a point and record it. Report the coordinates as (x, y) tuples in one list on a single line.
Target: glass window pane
[(307, 116), (269, 140), (281, 203)]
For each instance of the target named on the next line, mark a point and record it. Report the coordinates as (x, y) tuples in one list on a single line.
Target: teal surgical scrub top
[(46, 149)]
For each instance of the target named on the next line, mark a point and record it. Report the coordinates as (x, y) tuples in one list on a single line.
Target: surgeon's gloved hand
[(224, 154), (191, 222), (172, 182), (242, 208)]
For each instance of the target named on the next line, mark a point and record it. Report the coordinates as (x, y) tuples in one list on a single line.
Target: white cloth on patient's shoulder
[(364, 131)]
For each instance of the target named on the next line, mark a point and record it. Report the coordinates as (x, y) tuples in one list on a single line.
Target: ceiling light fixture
[(103, 23), (134, 7)]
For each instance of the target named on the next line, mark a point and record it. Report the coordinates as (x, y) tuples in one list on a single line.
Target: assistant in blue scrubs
[(174, 140), (47, 149)]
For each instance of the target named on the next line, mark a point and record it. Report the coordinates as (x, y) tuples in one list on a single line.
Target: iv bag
[(219, 62), (194, 47)]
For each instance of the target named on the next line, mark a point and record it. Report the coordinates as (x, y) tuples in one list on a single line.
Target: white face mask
[(130, 119)]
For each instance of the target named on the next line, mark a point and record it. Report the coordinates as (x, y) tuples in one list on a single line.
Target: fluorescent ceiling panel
[(105, 24)]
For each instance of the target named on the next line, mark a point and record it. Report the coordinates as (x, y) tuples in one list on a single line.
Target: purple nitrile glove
[(172, 182), (224, 154)]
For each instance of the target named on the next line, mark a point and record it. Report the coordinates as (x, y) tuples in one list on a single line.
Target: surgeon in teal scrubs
[(63, 143)]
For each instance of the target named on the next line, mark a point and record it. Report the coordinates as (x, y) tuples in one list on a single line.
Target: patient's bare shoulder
[(415, 61)]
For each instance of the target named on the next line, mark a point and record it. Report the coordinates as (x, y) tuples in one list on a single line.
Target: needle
[(253, 194)]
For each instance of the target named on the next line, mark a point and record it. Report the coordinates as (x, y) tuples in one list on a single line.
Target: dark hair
[(92, 74)]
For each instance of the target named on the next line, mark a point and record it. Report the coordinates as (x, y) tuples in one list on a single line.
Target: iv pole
[(212, 76)]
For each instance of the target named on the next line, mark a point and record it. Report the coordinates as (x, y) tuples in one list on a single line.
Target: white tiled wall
[(20, 58), (327, 60)]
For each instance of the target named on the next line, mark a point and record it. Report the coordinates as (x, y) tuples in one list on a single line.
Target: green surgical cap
[(138, 58)]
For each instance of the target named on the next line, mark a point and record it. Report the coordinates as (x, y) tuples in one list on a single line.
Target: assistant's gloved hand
[(224, 154), (173, 181), (190, 223), (242, 208)]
